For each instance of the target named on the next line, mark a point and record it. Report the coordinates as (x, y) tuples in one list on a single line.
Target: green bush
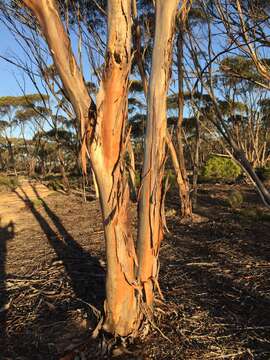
[(8, 182), (55, 185), (263, 173), (220, 168)]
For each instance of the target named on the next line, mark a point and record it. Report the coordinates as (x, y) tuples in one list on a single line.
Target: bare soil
[(214, 278)]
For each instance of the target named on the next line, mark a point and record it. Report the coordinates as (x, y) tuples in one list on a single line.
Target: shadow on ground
[(216, 283), (54, 322), (6, 234)]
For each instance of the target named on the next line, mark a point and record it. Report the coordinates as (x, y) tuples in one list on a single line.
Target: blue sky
[(9, 73)]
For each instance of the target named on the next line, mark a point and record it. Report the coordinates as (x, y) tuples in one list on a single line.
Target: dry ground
[(214, 277)]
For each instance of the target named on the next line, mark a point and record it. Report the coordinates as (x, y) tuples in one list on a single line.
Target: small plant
[(235, 199), (55, 185), (221, 168), (8, 182), (36, 202)]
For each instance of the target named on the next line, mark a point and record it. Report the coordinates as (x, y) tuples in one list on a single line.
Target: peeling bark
[(121, 302), (150, 231), (103, 126)]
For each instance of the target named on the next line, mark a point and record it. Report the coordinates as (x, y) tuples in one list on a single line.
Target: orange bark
[(105, 134)]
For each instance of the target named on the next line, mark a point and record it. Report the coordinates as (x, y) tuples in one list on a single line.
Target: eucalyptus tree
[(12, 109), (104, 139)]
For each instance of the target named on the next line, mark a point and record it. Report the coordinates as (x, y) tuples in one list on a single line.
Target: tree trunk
[(196, 162), (240, 157), (95, 184), (186, 208), (177, 156), (150, 231), (2, 163), (186, 205), (103, 126), (63, 170), (32, 166), (12, 162)]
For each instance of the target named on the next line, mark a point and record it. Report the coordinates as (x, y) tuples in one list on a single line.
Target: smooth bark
[(181, 174), (177, 153), (150, 231)]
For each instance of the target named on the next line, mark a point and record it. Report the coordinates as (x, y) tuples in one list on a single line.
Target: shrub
[(8, 182), (221, 168), (235, 199), (55, 185)]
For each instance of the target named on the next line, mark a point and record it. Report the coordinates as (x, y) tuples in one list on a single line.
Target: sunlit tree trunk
[(150, 231), (183, 183), (176, 152), (196, 161), (241, 158), (103, 135), (12, 161), (121, 302), (95, 184)]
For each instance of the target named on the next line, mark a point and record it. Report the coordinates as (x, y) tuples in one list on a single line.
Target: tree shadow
[(225, 288), (86, 274), (6, 233)]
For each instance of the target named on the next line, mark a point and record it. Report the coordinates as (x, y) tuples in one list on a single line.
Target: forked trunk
[(121, 301), (103, 126), (150, 231)]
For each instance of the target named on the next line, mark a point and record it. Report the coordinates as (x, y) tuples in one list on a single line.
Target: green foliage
[(254, 214), (229, 107), (137, 179), (263, 173), (235, 199), (221, 168), (55, 184), (8, 182), (3, 125), (136, 86), (26, 100)]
